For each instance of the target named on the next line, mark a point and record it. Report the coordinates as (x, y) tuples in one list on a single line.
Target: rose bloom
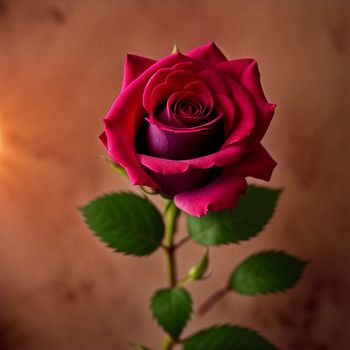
[(190, 126)]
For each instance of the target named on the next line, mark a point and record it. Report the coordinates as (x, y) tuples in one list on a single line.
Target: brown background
[(60, 68)]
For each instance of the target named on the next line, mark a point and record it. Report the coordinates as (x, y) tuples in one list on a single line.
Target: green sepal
[(171, 308), (250, 216), (176, 49), (126, 222), (149, 191), (227, 337), (116, 167), (197, 271), (266, 272)]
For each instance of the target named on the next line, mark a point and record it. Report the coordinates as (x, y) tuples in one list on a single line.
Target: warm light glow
[(1, 140), (1, 143)]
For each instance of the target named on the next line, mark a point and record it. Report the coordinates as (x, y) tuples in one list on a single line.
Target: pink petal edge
[(209, 52), (134, 66), (257, 163), (222, 193)]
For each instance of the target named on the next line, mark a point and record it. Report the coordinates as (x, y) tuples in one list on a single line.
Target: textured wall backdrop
[(61, 66)]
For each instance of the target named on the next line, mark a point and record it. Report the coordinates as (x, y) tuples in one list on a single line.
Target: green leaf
[(172, 309), (266, 272), (128, 223), (251, 214), (227, 337)]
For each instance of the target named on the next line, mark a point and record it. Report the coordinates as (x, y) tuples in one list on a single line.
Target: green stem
[(167, 343), (171, 217), (172, 214)]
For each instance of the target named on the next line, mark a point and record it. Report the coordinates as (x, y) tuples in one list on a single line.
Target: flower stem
[(169, 247), (172, 214)]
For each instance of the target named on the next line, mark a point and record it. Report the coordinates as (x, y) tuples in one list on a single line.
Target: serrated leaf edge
[(106, 245), (279, 190), (190, 312), (226, 325), (304, 262)]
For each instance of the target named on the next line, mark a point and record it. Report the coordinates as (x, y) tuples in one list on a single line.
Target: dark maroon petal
[(166, 117), (181, 145), (221, 193), (166, 127), (183, 181), (209, 52), (133, 67)]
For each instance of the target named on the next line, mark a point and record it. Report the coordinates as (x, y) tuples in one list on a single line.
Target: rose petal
[(215, 81), (222, 158), (265, 112), (228, 109), (122, 152), (221, 193), (245, 113), (251, 80), (156, 79), (159, 96), (160, 76), (183, 181), (124, 117), (245, 71), (209, 52), (180, 78), (163, 166), (188, 66), (198, 118), (103, 138), (182, 129), (182, 145), (218, 85), (234, 68), (201, 89), (134, 65), (167, 118), (257, 163)]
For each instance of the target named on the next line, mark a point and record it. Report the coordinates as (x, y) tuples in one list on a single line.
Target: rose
[(190, 125)]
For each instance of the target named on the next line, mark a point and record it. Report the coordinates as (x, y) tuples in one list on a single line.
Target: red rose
[(190, 125)]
